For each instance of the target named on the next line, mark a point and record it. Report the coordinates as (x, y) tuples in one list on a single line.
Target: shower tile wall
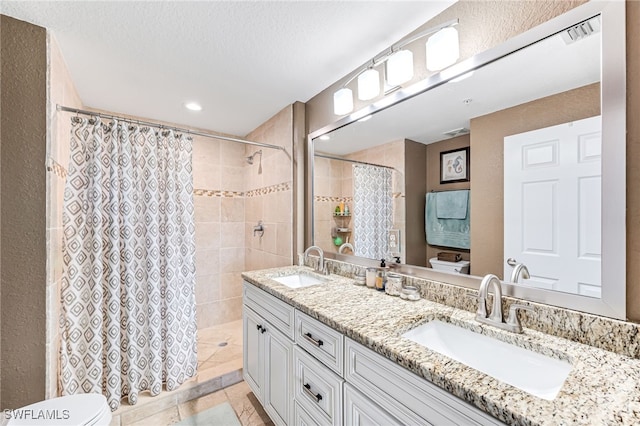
[(218, 180), (230, 198), (269, 195), (60, 91)]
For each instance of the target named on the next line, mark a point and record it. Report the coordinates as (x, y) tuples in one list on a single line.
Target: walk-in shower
[(252, 157)]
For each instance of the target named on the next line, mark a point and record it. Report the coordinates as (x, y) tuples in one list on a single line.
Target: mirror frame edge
[(613, 79)]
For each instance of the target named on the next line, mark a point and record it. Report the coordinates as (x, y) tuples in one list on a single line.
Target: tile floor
[(219, 379)]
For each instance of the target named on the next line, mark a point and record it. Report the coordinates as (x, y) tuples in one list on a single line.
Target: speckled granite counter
[(602, 388)]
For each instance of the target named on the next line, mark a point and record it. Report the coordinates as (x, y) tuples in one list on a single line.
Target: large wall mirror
[(532, 133)]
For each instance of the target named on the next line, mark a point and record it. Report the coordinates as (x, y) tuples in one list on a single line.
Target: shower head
[(252, 156)]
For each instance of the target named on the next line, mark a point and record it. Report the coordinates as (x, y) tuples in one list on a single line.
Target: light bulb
[(343, 101), (368, 85), (399, 67), (443, 49)]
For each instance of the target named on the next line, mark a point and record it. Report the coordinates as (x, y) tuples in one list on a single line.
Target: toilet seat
[(90, 409)]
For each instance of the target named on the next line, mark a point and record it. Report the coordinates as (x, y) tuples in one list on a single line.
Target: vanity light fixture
[(343, 101), (399, 65), (193, 106), (368, 84), (443, 49)]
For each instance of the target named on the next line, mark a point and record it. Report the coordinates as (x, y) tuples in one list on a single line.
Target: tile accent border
[(280, 187), (217, 193), (325, 198)]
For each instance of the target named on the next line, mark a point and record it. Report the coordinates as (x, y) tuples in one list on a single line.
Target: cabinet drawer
[(276, 312), (406, 396), (321, 341), (302, 418), (361, 411), (317, 389)]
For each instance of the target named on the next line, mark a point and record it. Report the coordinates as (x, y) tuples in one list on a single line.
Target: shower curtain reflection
[(372, 211), (128, 304)]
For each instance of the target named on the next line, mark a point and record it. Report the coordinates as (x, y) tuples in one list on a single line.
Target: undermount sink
[(537, 374), (299, 280)]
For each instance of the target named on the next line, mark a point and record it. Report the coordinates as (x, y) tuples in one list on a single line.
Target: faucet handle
[(513, 319), (325, 268)]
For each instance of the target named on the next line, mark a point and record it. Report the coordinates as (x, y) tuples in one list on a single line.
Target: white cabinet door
[(552, 206), (278, 399), (361, 411), (253, 358)]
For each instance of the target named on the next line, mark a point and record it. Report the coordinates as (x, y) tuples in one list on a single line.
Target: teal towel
[(452, 204), (452, 233)]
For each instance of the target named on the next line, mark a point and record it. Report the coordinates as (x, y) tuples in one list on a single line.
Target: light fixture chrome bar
[(382, 57), (331, 157), (163, 126), (425, 33)]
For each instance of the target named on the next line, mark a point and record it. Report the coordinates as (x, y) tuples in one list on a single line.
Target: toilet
[(89, 409), (460, 267)]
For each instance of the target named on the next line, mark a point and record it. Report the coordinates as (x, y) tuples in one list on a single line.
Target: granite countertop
[(602, 387)]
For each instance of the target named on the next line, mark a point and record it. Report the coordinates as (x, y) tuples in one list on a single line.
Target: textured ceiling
[(242, 60)]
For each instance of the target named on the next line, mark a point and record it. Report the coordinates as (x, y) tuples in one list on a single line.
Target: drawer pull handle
[(261, 329), (307, 389), (308, 337)]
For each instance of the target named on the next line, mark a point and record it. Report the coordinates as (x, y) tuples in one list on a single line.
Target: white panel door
[(552, 206)]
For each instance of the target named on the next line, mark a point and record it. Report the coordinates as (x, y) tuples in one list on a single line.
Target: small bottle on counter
[(380, 280), (371, 277)]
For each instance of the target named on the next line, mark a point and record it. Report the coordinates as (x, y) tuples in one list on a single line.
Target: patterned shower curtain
[(372, 210), (128, 304)]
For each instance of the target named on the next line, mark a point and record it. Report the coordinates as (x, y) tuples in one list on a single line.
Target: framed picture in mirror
[(454, 166)]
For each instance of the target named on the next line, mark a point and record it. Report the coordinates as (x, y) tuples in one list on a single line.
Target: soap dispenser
[(381, 276)]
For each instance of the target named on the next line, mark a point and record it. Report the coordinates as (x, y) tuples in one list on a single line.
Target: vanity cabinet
[(268, 352), (404, 395), (306, 373)]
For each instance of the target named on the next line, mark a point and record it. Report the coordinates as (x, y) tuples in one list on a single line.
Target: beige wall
[(22, 215), (433, 184), (487, 140)]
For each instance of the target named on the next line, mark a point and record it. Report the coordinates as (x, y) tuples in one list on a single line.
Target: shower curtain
[(128, 305), (372, 210)]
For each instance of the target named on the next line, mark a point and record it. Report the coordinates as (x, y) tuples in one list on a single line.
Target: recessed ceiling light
[(193, 106)]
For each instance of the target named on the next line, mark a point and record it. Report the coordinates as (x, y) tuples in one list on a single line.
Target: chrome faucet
[(320, 267), (496, 318), (519, 270), (345, 246)]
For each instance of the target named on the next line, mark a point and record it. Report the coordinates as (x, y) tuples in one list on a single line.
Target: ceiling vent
[(457, 132), (581, 30)]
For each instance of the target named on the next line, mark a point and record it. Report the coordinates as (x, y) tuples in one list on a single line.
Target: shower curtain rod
[(331, 157), (150, 124)]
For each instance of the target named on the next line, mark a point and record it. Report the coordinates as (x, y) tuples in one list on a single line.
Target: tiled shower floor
[(219, 379)]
